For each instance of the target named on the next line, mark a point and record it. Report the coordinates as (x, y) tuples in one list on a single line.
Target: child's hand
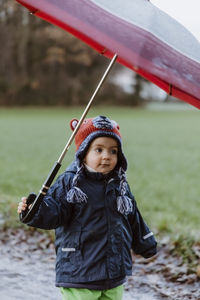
[(22, 205)]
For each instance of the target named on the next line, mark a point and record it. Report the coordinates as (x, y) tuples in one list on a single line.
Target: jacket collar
[(100, 176), (94, 175)]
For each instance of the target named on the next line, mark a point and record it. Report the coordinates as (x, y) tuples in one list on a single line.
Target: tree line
[(41, 64)]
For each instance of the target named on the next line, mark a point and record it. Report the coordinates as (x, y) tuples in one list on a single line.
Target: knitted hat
[(89, 130)]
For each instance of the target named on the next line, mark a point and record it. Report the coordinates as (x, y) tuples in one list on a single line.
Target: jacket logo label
[(68, 249), (147, 235)]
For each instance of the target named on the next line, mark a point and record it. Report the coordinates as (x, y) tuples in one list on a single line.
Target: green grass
[(162, 148)]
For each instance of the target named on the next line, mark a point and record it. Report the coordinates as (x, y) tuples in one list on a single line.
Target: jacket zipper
[(108, 228)]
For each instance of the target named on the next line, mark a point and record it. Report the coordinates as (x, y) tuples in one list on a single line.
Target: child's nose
[(106, 155)]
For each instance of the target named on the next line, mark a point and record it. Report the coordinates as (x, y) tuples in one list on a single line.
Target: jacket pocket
[(70, 252)]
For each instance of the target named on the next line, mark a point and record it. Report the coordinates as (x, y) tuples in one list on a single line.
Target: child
[(95, 215)]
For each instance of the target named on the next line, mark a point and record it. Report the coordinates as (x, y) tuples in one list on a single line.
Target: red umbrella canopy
[(146, 39)]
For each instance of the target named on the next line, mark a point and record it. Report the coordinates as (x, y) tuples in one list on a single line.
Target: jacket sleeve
[(54, 210), (144, 242)]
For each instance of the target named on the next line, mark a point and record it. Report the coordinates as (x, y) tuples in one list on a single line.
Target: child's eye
[(114, 151), (98, 150)]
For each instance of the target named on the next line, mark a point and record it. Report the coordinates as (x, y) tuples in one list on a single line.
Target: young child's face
[(102, 155)]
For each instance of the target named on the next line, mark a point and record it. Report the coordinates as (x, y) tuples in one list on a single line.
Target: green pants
[(86, 294)]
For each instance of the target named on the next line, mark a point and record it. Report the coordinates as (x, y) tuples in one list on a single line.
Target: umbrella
[(145, 39), (137, 35)]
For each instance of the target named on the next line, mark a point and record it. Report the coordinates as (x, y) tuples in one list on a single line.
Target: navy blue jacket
[(93, 240)]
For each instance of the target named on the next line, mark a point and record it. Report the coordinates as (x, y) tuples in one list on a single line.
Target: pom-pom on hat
[(93, 128)]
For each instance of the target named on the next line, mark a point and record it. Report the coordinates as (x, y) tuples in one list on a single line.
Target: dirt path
[(27, 272)]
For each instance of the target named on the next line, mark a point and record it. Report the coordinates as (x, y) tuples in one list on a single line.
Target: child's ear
[(73, 123)]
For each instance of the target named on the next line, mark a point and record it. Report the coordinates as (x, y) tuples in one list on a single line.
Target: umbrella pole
[(34, 199)]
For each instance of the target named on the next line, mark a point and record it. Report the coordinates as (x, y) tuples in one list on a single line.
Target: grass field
[(162, 148)]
